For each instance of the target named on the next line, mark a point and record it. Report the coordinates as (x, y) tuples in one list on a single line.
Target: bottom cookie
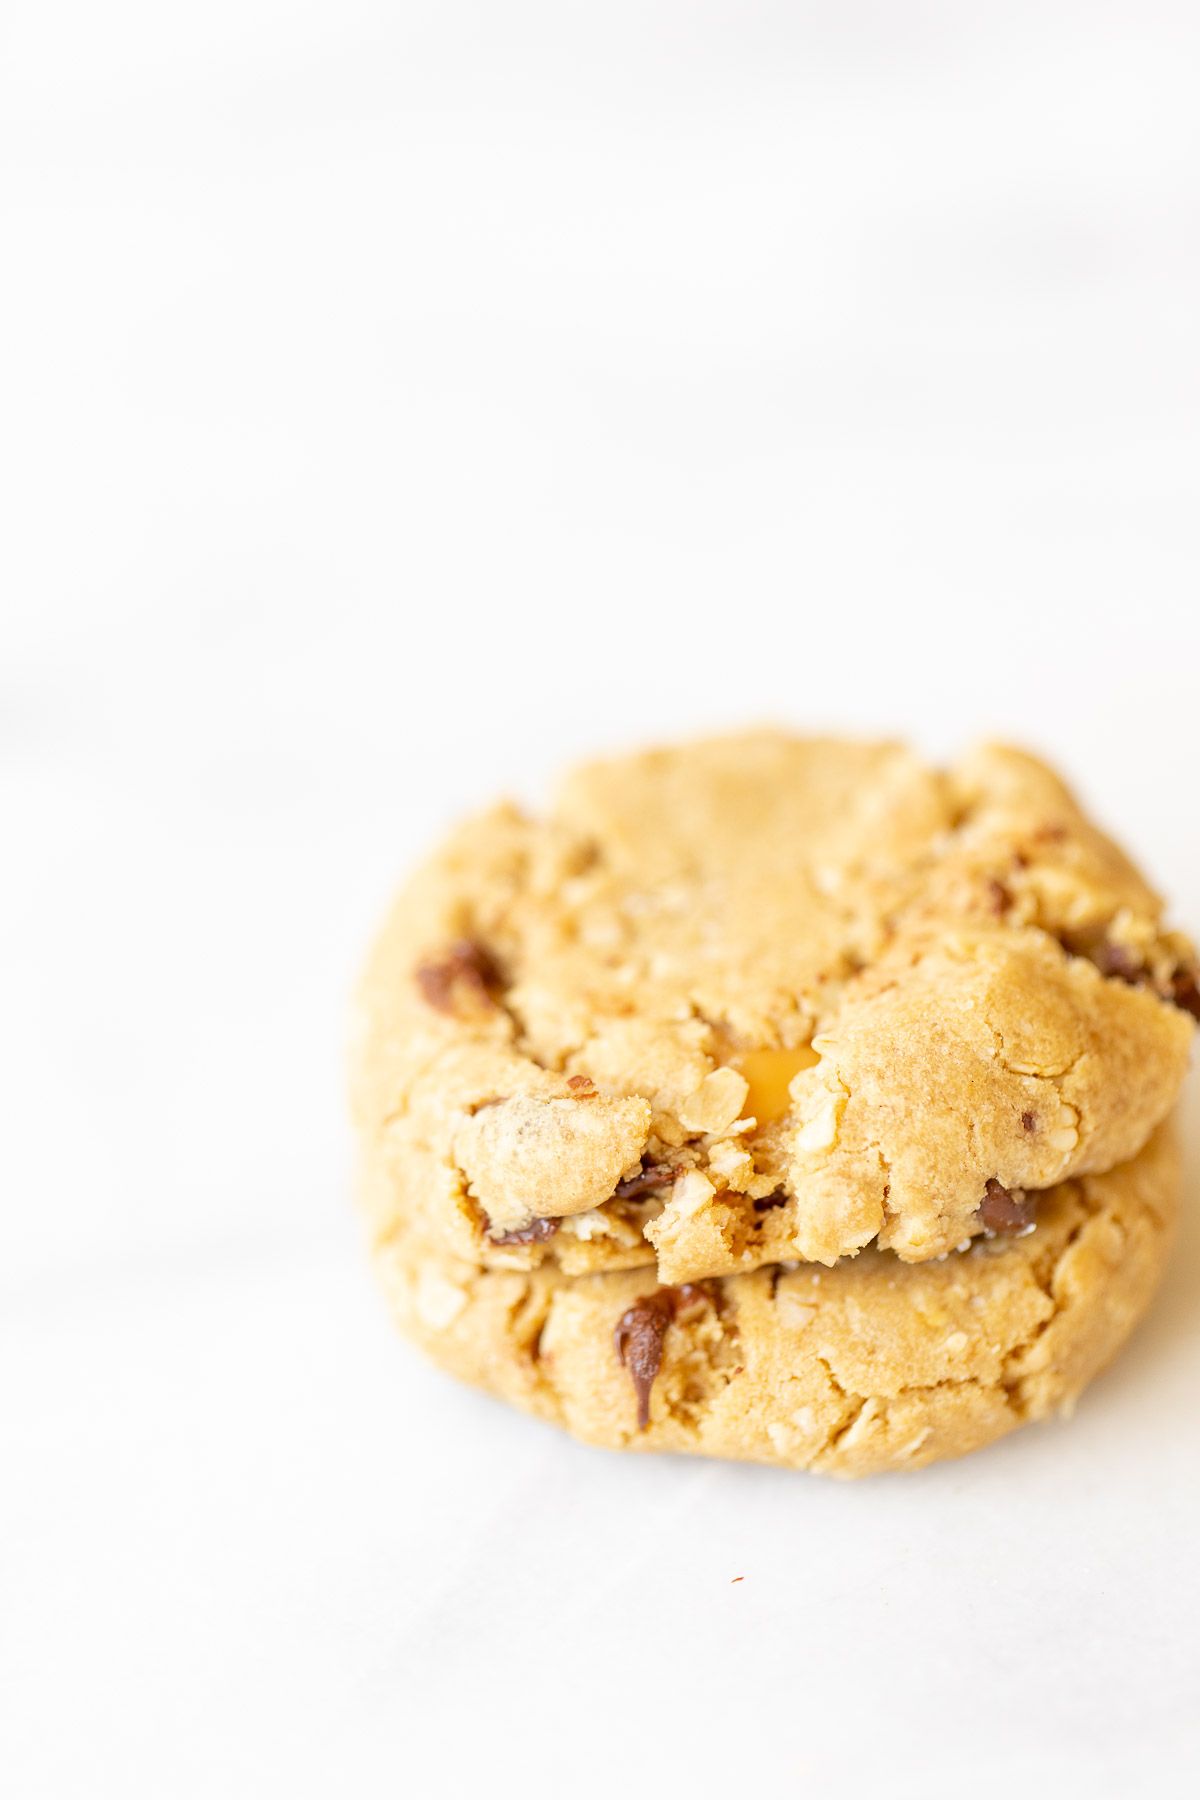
[(870, 1365)]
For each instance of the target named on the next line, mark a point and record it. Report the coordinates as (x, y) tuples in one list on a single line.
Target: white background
[(397, 401)]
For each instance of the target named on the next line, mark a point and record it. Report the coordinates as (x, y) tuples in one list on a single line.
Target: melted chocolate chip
[(1119, 962), (1185, 992), (998, 896), (466, 965), (1179, 988), (648, 1180), (536, 1232), (639, 1335), (1029, 1121), (1006, 1210)]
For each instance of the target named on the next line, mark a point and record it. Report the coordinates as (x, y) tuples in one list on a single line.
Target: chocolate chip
[(1029, 1121), (650, 1178), (639, 1344), (1179, 988), (1119, 962), (466, 965), (581, 1084), (998, 896), (1006, 1210), (639, 1335), (536, 1232), (1185, 992)]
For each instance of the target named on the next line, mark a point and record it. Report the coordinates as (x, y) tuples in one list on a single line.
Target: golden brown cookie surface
[(763, 999)]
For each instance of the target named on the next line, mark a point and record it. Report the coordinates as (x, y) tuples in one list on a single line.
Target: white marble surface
[(400, 400)]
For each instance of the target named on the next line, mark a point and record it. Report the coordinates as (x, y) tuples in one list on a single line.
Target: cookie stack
[(777, 1098)]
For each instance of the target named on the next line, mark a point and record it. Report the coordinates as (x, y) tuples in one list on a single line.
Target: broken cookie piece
[(527, 1156)]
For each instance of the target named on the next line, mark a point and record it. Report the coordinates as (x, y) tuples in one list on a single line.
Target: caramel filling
[(769, 1073)]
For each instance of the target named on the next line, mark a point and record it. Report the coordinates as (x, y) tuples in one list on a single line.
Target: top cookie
[(764, 999)]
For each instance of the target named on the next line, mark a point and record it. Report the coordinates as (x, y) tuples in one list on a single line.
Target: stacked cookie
[(777, 1098)]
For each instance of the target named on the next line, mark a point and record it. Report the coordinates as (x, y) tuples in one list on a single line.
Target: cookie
[(872, 1365), (765, 999)]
